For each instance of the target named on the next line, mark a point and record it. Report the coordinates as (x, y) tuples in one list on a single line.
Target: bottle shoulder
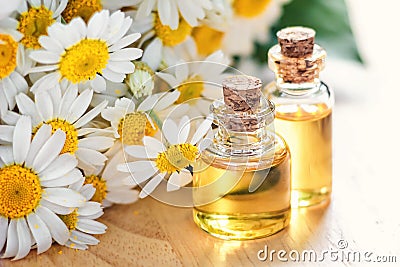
[(273, 155)]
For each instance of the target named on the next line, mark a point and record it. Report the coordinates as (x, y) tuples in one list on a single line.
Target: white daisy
[(35, 16), (158, 37), (197, 82), (251, 22), (33, 176), (86, 8), (166, 162), (68, 112), (130, 123), (171, 10), (109, 183), (87, 54), (81, 223), (12, 63)]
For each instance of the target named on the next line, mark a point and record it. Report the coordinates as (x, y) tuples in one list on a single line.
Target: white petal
[(204, 127), (153, 54), (64, 197), (6, 133), (65, 180), (140, 152), (51, 44), (121, 67), (87, 191), (181, 72), (27, 107), (166, 100), (90, 208), (45, 57), (139, 177), (113, 76), (57, 209), (98, 143), (124, 42), (178, 180), (150, 186), (6, 154), (44, 105), (80, 105), (60, 166), (153, 144), (66, 102), (170, 130), (184, 129), (89, 116), (169, 78), (3, 231), (50, 150), (126, 54), (24, 239), (138, 166), (98, 84), (90, 156), (46, 82), (164, 12), (22, 139), (58, 229), (41, 137), (40, 232), (12, 240), (97, 24), (91, 226), (84, 238)]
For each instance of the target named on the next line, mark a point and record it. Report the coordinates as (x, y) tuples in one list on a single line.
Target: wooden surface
[(364, 209)]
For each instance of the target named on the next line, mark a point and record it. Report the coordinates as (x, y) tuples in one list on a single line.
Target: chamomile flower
[(86, 8), (131, 123), (158, 36), (109, 183), (69, 113), (251, 22), (170, 10), (196, 81), (166, 162), (33, 180), (82, 223), (12, 64), (35, 16), (87, 54)]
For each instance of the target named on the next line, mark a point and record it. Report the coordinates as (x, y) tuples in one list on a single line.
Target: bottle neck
[(297, 76), (243, 133)]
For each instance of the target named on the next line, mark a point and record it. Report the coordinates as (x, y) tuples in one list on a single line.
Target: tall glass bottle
[(242, 181), (303, 112)]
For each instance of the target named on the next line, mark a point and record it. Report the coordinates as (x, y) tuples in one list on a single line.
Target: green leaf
[(330, 20)]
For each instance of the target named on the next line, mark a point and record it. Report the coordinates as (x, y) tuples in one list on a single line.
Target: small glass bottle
[(303, 112), (241, 183)]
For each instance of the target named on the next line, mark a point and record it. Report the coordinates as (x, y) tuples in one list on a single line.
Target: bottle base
[(307, 198), (242, 226)]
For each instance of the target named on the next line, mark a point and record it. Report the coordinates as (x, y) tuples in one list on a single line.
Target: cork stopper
[(242, 93), (296, 42)]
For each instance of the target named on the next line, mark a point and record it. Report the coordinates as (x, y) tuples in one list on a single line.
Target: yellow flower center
[(70, 220), (190, 89), (8, 55), (171, 37), (100, 185), (133, 127), (71, 133), (208, 40), (83, 60), (81, 8), (20, 191), (250, 8), (176, 157), (33, 24)]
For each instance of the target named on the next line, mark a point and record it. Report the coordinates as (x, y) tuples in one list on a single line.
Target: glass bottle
[(241, 183), (303, 112)]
